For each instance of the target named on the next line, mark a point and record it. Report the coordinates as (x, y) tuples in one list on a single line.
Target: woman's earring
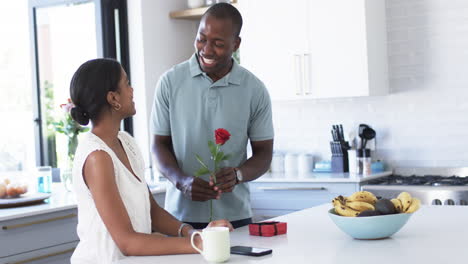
[(117, 106)]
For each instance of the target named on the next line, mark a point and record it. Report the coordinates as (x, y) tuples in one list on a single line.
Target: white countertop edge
[(59, 201), (37, 212), (322, 177)]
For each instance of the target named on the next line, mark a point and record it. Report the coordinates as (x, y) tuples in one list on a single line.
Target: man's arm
[(259, 163), (192, 187), (253, 168)]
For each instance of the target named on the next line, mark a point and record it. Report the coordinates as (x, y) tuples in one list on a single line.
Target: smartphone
[(250, 251)]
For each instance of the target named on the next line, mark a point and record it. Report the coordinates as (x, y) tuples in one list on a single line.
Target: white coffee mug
[(216, 243)]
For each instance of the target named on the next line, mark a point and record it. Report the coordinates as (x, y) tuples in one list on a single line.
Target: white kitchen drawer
[(37, 232), (60, 254), (296, 196)]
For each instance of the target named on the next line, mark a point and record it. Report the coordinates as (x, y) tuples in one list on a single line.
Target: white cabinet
[(271, 199), (48, 238), (316, 49), (273, 41)]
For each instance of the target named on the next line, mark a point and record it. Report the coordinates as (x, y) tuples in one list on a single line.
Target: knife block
[(339, 159)]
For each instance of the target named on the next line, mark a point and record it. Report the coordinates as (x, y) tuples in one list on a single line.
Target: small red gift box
[(268, 229)]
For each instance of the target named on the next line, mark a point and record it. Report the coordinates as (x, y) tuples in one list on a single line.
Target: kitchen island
[(434, 234)]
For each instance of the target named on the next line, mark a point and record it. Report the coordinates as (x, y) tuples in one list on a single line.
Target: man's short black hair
[(225, 10)]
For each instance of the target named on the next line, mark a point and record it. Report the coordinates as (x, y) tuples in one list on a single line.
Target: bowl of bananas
[(363, 216)]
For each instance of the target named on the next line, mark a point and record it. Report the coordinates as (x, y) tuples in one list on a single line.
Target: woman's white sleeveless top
[(96, 244)]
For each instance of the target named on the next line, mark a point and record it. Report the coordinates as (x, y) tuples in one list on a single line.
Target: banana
[(397, 203), (363, 196), (339, 200), (415, 204), (346, 211), (405, 199), (335, 202), (339, 203), (359, 206)]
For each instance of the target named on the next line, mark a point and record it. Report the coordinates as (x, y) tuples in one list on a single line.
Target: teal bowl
[(370, 227)]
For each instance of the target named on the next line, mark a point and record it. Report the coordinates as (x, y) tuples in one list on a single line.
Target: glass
[(17, 145), (44, 179), (367, 162), (66, 37), (359, 161), (66, 177)]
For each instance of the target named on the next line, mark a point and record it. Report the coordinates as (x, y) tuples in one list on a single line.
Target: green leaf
[(219, 156), (212, 147), (226, 157), (201, 161), (201, 171)]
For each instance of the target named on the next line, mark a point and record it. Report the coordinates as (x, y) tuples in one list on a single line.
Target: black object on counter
[(339, 159), (339, 148), (366, 133)]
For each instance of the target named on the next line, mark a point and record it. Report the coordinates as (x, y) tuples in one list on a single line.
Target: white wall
[(156, 44), (424, 120)]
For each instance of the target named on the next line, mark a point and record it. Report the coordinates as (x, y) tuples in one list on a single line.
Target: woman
[(116, 212)]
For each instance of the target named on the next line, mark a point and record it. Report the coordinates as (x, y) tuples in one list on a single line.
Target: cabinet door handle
[(298, 68), (306, 74), (43, 256), (9, 227), (292, 188)]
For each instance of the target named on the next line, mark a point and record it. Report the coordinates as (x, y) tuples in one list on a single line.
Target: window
[(65, 34), (65, 38), (47, 41)]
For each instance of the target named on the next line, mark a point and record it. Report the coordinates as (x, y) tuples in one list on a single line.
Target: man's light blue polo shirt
[(189, 107)]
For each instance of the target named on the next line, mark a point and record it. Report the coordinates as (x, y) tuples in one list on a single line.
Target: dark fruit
[(385, 206), (368, 213)]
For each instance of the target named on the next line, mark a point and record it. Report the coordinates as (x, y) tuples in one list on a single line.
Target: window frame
[(107, 47)]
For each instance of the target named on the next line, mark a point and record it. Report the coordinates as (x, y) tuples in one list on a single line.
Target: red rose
[(221, 136)]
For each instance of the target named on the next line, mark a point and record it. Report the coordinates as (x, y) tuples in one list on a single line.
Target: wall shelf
[(194, 13)]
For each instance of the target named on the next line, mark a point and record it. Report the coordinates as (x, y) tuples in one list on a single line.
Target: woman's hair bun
[(79, 115)]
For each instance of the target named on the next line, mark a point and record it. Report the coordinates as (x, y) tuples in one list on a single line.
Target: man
[(192, 100)]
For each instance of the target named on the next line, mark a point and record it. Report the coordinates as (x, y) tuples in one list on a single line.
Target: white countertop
[(321, 177), (60, 200), (435, 234)]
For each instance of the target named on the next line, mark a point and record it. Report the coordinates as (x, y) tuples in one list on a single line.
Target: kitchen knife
[(337, 132), (341, 132), (340, 149)]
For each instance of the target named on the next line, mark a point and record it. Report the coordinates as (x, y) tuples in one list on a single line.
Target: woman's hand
[(223, 222)]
